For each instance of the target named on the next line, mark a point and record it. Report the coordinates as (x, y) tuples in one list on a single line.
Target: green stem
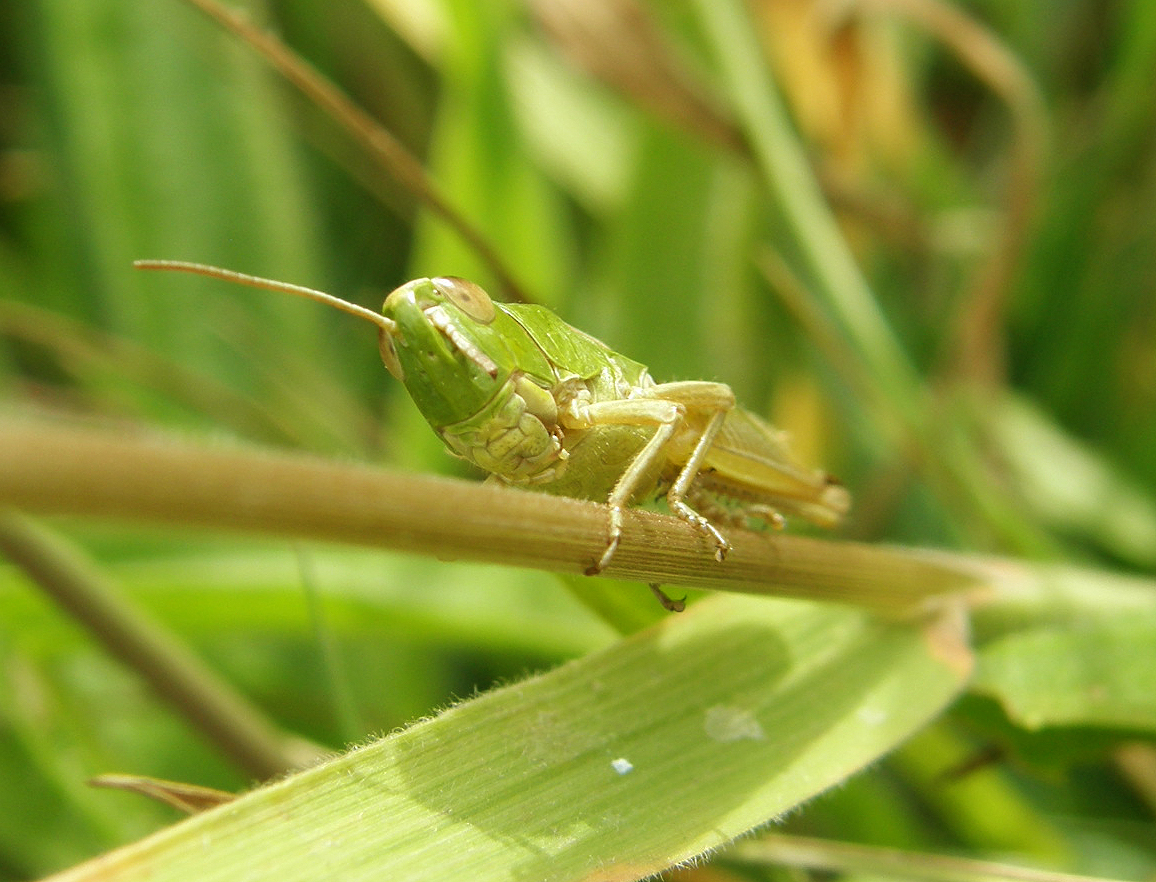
[(226, 717)]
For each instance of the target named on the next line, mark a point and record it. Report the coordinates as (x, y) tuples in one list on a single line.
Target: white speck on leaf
[(872, 716), (724, 723), (622, 765)]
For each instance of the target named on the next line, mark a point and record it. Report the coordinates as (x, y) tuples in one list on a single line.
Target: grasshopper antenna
[(215, 272)]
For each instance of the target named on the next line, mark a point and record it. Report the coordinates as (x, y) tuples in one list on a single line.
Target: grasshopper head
[(443, 338), (446, 346)]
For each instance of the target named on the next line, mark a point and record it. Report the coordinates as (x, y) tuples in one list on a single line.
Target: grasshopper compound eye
[(467, 297)]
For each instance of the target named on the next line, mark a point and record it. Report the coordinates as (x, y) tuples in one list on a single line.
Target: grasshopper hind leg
[(707, 502), (684, 486), (668, 603)]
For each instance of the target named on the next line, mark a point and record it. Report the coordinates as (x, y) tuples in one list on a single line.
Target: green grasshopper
[(537, 403)]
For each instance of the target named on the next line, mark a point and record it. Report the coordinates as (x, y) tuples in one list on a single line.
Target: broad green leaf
[(668, 744), (1068, 647)]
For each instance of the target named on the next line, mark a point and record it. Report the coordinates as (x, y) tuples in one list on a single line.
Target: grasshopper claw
[(721, 546), (611, 545), (720, 551)]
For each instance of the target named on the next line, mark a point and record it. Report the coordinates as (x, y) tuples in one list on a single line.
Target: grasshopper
[(537, 403)]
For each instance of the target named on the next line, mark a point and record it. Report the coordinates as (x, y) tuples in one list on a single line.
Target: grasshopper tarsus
[(703, 524), (721, 545), (611, 545), (599, 565), (668, 603)]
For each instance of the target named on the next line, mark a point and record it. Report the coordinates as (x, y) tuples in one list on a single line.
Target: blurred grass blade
[(476, 152), (809, 221), (188, 798), (666, 745), (824, 855), (622, 44), (979, 332), (224, 716), (1068, 485), (134, 139), (377, 141), (1068, 647)]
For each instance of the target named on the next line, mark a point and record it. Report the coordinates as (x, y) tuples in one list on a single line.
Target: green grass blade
[(667, 745)]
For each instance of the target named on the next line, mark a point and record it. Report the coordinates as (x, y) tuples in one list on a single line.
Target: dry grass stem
[(56, 469)]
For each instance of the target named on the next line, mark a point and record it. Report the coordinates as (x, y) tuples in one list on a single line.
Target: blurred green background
[(1007, 227)]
